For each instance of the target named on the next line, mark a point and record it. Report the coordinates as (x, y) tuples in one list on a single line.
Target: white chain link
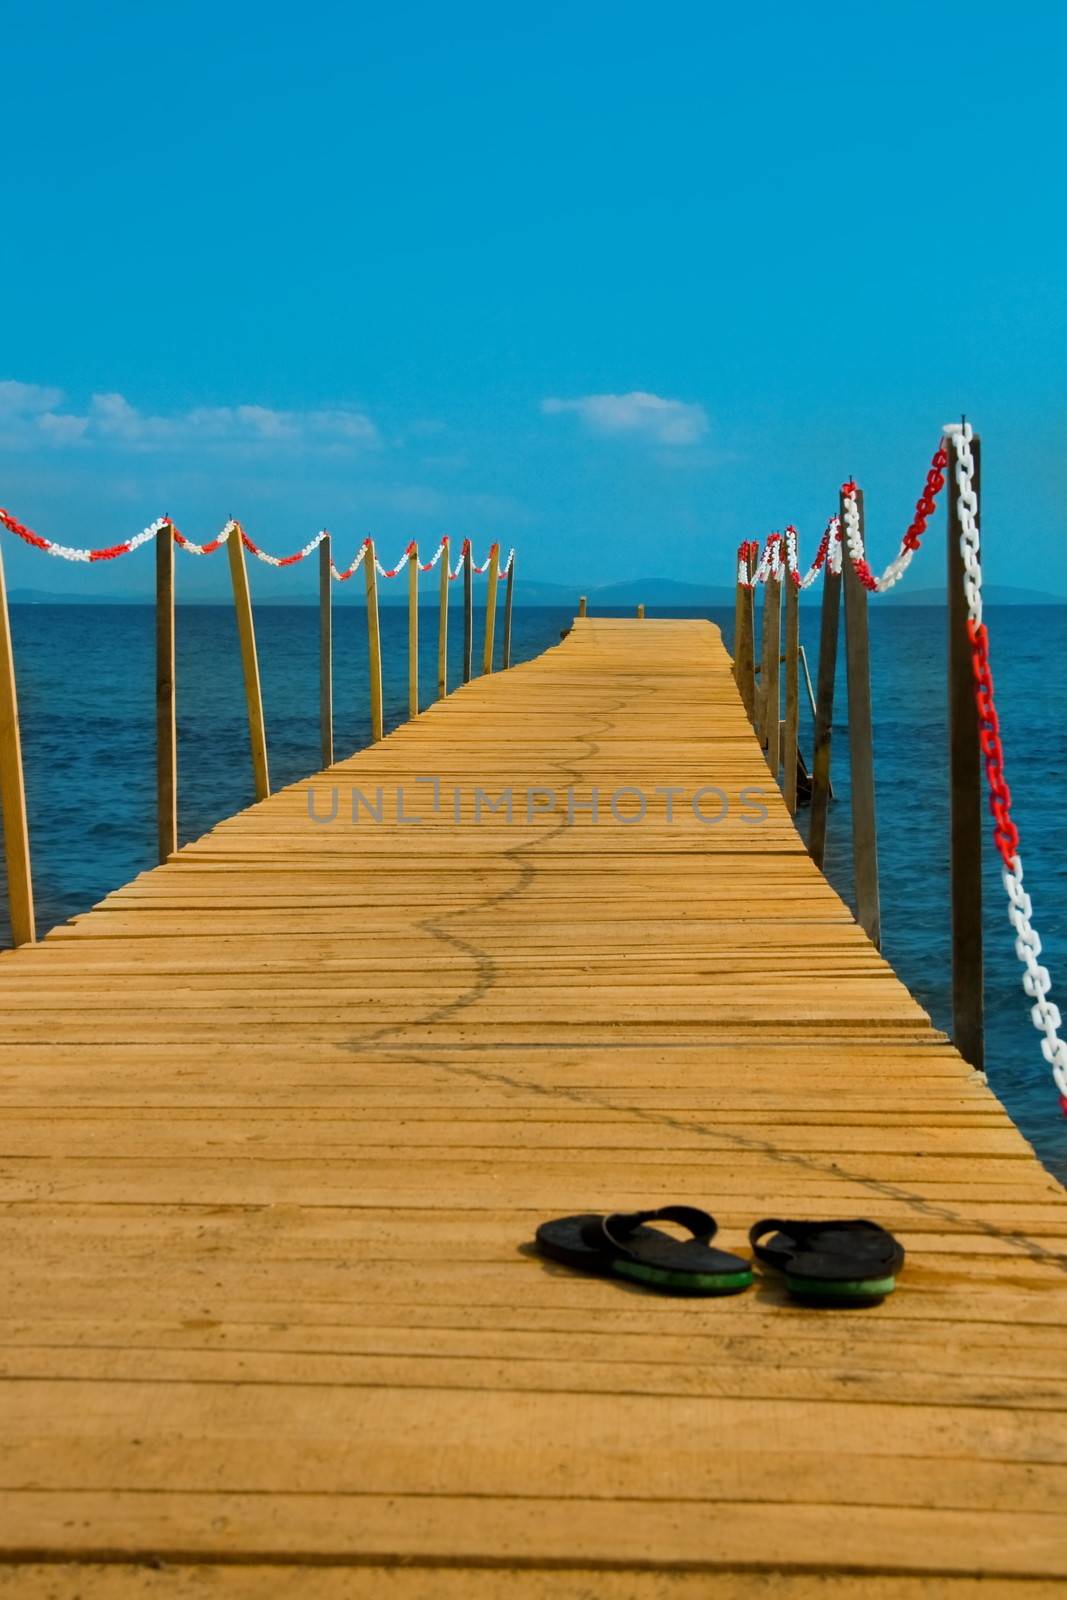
[(1036, 981), (851, 518), (967, 510)]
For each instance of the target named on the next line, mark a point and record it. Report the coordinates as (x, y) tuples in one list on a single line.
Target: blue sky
[(403, 270)]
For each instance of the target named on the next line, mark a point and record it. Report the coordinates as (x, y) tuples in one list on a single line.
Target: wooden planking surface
[(280, 1119)]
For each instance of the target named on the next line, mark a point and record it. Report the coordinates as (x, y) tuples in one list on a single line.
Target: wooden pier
[(280, 1118)]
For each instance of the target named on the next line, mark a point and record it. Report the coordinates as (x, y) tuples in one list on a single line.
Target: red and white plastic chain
[(749, 549), (1044, 1014), (829, 545), (427, 566), (67, 553), (278, 561), (925, 507), (769, 564), (393, 572), (201, 549), (111, 552)]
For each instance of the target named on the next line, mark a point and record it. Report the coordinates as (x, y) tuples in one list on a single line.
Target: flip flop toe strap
[(616, 1231)]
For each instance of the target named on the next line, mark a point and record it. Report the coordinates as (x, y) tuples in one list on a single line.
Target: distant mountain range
[(529, 592)]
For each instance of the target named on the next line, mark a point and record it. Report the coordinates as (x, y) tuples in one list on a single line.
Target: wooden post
[(739, 592), (442, 622), (760, 672), (374, 645), (640, 609), (246, 633), (824, 711), (468, 609), (744, 641), (861, 746), (490, 607), (965, 796), (13, 790), (413, 630), (792, 693), (772, 650), (326, 652), (508, 593), (581, 605), (166, 709)]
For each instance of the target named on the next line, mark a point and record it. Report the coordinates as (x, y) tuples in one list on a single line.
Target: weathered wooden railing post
[(861, 744), (582, 605), (829, 622), (468, 609), (640, 610), (13, 790), (759, 674), (166, 707), (744, 638), (490, 607), (965, 794), (413, 630), (770, 692), (508, 594), (374, 644), (246, 633), (442, 620), (791, 731), (326, 652)]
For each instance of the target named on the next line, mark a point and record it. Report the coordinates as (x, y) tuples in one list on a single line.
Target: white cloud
[(33, 414), (639, 414), (25, 399)]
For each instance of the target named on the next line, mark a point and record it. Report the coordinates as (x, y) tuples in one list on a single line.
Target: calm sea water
[(86, 688)]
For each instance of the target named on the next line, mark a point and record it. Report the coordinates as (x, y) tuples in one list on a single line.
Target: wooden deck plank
[(280, 1119), (88, 1581)]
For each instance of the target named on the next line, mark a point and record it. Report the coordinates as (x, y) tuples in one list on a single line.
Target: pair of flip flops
[(847, 1262)]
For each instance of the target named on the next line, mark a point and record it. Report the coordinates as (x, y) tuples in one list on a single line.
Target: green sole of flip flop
[(851, 1289), (685, 1282)]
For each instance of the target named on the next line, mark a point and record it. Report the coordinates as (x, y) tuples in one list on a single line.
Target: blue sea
[(85, 678)]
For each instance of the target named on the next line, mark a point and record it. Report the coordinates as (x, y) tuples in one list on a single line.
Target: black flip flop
[(849, 1262), (621, 1245)]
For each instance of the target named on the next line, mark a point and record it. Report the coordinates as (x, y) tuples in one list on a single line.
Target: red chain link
[(24, 533), (927, 501), (925, 507), (1005, 833)]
